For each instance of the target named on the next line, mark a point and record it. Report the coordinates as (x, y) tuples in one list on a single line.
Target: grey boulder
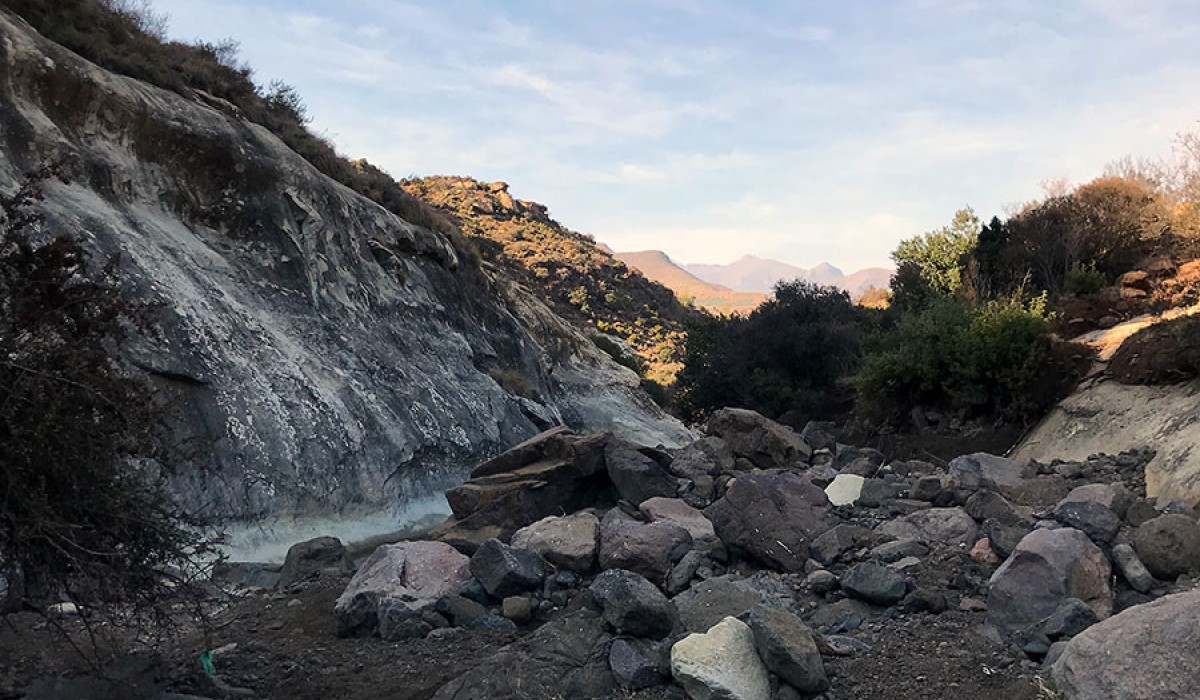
[(721, 664), (772, 516), (648, 549), (505, 570), (1168, 545), (875, 584), (785, 645), (632, 605), (1045, 569), (568, 542), (1147, 652), (752, 436), (397, 583)]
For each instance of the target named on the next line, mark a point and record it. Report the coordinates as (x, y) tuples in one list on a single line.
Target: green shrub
[(1085, 279), (985, 359), (789, 354)]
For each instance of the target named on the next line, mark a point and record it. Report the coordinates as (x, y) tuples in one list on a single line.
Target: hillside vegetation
[(580, 279), (972, 327)]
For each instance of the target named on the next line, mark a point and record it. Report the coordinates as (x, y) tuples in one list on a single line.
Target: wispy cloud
[(712, 129)]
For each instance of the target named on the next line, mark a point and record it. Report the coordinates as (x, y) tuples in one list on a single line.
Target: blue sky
[(806, 131)]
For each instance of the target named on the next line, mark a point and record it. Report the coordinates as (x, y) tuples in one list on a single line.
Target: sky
[(801, 130)]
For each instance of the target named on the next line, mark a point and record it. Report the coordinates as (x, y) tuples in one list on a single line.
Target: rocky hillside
[(568, 270), (326, 356), (657, 266)]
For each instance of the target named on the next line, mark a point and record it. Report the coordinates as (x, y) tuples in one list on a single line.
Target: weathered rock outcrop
[(328, 355)]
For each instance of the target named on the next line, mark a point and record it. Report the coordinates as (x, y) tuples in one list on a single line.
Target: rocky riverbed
[(754, 563)]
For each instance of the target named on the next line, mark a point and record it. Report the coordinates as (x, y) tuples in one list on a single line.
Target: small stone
[(634, 664), (1132, 569), (874, 584), (983, 554), (972, 605), (519, 609), (1072, 617), (844, 489), (821, 581)]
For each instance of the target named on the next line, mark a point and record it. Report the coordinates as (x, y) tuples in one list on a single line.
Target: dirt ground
[(286, 649)]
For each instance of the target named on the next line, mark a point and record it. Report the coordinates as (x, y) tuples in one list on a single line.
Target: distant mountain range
[(743, 284), (656, 266), (761, 274)]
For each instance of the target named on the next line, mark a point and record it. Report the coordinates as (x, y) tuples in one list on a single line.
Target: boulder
[(568, 542), (1147, 652), (875, 584), (983, 470), (636, 663), (767, 444), (721, 664), (635, 473), (306, 560), (771, 516), (708, 602), (1046, 568), (632, 605), (505, 570), (648, 549), (950, 526), (553, 472), (396, 583), (785, 645), (1168, 545), (565, 658), (674, 510), (707, 456)]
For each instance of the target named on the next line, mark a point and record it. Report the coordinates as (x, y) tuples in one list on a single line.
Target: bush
[(1084, 279), (986, 359), (789, 354), (83, 509)]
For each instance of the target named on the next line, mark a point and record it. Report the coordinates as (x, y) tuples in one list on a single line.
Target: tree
[(789, 354), (933, 262), (83, 509)]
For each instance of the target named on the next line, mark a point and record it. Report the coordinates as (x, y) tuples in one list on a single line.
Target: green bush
[(1085, 279), (986, 359)]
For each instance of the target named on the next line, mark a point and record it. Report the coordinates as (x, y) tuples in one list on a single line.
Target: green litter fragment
[(206, 663)]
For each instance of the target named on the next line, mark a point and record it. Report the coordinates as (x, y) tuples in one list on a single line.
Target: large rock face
[(1147, 652), (333, 356)]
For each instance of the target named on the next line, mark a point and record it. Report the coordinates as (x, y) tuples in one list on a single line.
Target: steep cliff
[(324, 355)]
